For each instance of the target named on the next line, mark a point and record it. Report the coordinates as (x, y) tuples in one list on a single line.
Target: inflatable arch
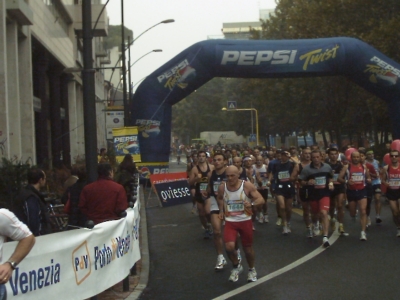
[(186, 72)]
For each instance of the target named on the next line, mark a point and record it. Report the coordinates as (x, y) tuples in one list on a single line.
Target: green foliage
[(114, 36), (13, 177)]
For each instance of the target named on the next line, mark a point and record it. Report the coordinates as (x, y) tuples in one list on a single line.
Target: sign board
[(167, 177), (252, 137), (114, 119), (173, 193), (231, 105), (126, 141)]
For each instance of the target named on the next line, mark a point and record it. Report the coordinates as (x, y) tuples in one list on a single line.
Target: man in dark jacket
[(30, 206), (104, 199)]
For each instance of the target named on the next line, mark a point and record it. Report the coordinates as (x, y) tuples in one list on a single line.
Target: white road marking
[(293, 265)]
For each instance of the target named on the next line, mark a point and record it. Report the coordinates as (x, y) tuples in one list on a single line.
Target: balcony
[(20, 11), (102, 25)]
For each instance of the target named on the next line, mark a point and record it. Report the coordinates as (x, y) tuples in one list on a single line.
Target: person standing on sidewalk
[(235, 200), (11, 227)]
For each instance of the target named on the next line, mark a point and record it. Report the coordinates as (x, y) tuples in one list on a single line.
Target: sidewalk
[(138, 281)]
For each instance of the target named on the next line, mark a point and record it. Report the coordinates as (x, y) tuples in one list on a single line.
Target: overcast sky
[(194, 22)]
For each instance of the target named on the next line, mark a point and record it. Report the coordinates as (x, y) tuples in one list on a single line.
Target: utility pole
[(89, 104), (126, 109)]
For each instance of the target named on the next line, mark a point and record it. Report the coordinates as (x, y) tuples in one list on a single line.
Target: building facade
[(41, 103)]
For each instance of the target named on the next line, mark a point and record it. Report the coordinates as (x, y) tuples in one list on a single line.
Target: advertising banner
[(77, 264), (114, 119), (198, 64), (167, 177), (126, 142), (173, 193), (148, 168)]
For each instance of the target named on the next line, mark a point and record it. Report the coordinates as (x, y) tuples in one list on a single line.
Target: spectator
[(71, 179), (125, 174), (104, 199), (11, 227), (75, 218), (103, 158), (30, 206)]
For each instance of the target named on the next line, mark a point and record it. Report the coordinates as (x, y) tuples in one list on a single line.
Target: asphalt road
[(182, 262)]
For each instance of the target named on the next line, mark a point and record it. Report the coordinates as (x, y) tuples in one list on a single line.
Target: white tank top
[(234, 205)]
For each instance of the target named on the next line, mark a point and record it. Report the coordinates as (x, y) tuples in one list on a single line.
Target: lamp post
[(155, 50), (246, 109)]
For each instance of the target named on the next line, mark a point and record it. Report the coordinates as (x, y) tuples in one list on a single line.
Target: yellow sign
[(126, 142)]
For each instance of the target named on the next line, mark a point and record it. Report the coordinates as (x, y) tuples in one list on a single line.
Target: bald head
[(232, 170)]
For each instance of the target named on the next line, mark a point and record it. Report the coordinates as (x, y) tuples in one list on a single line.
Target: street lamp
[(246, 109), (155, 50)]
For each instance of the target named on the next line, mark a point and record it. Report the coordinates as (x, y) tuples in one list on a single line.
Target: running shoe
[(260, 218), (266, 220), (363, 236), (279, 222), (239, 256), (207, 234), (378, 220), (341, 230), (285, 230), (316, 230), (235, 273), (398, 232), (221, 262), (309, 232), (252, 275), (325, 242), (194, 209)]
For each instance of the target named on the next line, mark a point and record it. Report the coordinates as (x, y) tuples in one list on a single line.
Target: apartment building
[(41, 103)]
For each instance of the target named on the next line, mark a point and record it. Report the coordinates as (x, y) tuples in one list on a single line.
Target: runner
[(199, 178), (189, 167), (215, 179), (318, 177), (262, 187), (376, 186), (271, 183), (337, 195), (303, 196), (237, 161), (391, 179), (283, 173), (356, 192), (235, 199)]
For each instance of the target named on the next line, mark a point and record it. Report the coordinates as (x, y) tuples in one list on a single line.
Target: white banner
[(77, 264)]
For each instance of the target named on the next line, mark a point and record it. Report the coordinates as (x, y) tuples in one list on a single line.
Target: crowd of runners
[(230, 189)]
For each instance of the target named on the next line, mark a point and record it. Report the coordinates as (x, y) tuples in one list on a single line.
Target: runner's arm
[(342, 174), (255, 196)]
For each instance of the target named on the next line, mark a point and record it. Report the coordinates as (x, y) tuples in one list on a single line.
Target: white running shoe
[(221, 262), (310, 233), (260, 218), (363, 236), (266, 220), (398, 232), (252, 275), (235, 273), (279, 222), (285, 230), (316, 230), (369, 222), (325, 242)]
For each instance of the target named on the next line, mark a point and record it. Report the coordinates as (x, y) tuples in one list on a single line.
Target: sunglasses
[(394, 156)]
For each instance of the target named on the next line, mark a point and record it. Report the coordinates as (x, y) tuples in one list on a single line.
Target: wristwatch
[(13, 264)]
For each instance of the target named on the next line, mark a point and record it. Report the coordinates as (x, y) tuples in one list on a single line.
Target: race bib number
[(320, 182), (264, 182), (335, 177), (284, 176), (394, 184), (216, 186), (203, 186), (357, 177), (235, 207)]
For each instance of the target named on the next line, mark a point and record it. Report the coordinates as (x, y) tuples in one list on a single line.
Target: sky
[(194, 22)]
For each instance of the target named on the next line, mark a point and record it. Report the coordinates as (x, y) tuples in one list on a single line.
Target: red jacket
[(103, 200)]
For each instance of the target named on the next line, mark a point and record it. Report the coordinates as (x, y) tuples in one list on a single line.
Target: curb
[(144, 250)]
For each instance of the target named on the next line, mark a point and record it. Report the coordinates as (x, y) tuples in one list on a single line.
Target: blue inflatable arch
[(186, 72)]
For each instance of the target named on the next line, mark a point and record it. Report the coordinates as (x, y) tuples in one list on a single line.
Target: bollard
[(125, 284)]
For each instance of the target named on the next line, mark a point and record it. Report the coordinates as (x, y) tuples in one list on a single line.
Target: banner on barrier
[(77, 264), (167, 177), (126, 142), (173, 193)]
